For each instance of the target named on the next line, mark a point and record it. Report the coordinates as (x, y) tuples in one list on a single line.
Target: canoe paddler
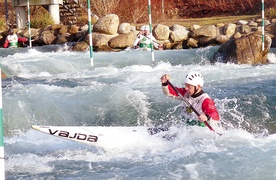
[(143, 40), (12, 39), (195, 95)]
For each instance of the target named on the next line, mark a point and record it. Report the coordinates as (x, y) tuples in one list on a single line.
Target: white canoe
[(99, 135)]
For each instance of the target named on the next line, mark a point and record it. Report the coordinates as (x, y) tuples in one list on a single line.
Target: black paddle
[(190, 106)]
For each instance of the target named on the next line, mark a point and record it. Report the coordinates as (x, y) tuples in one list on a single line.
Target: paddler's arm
[(156, 44), (22, 39), (135, 44), (168, 90), (137, 40), (6, 43), (210, 110)]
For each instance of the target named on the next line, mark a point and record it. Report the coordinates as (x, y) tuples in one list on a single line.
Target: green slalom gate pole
[(29, 24), (150, 25), (90, 33), (2, 158), (262, 25)]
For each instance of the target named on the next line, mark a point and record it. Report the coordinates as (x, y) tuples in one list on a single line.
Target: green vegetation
[(40, 17), (270, 13), (41, 21), (2, 24)]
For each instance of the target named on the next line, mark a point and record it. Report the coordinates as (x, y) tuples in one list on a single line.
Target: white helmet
[(194, 78), (145, 28), (142, 28)]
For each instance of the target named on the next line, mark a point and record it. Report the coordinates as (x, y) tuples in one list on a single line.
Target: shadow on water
[(70, 83)]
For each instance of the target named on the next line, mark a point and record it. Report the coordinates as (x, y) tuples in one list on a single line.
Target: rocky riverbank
[(111, 35)]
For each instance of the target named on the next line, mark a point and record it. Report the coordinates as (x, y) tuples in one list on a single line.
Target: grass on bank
[(41, 20), (2, 24), (270, 13), (208, 21)]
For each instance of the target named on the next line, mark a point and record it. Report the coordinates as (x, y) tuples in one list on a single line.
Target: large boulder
[(230, 29), (192, 43), (81, 35), (272, 32), (25, 32), (48, 37), (107, 25), (122, 41), (242, 22), (73, 29), (179, 33), (99, 39), (245, 29), (205, 35), (161, 32), (124, 28), (222, 39), (208, 31), (63, 29), (80, 46), (252, 24), (64, 38), (244, 50)]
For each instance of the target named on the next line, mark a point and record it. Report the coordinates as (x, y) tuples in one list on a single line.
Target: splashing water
[(50, 86)]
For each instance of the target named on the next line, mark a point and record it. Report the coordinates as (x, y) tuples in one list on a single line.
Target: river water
[(52, 86)]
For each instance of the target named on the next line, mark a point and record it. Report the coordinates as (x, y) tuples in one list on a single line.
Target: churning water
[(51, 86)]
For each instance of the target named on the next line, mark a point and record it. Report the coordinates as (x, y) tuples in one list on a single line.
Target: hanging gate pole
[(262, 25), (29, 24), (150, 25), (90, 33), (2, 157)]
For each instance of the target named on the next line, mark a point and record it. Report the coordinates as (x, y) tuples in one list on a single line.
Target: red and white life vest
[(187, 112)]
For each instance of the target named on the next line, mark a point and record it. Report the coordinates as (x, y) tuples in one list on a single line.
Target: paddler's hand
[(160, 47), (165, 78), (202, 118), (140, 33)]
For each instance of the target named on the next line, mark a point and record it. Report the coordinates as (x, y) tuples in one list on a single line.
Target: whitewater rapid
[(52, 86)]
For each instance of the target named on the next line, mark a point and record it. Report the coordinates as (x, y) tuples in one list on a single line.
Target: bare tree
[(104, 7), (133, 10)]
